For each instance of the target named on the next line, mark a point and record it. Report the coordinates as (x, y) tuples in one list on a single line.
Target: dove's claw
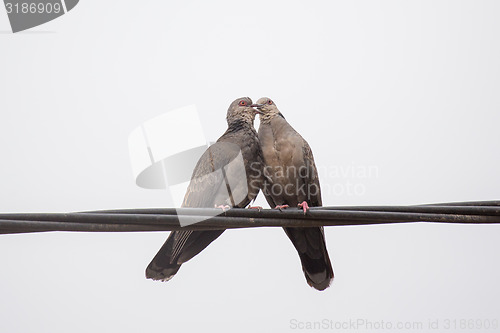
[(304, 206), (280, 207), (223, 207)]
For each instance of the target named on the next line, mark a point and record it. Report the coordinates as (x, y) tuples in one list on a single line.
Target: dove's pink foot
[(255, 207), (304, 206), (223, 207), (280, 207)]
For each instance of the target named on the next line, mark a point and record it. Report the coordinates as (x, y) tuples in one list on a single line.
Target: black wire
[(165, 219)]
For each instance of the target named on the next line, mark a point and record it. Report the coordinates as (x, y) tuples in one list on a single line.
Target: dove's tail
[(311, 246), (179, 247)]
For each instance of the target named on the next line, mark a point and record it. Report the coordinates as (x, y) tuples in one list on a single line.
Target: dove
[(228, 174), (292, 180)]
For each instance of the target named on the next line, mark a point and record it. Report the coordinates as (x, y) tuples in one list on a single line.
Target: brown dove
[(292, 180)]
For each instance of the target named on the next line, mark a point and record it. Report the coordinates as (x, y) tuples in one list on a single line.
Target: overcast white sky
[(409, 89)]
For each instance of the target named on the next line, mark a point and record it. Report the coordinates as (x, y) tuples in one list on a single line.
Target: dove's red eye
[(242, 103), (269, 102)]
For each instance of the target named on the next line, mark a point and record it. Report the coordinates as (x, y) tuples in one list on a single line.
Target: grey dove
[(292, 180), (217, 181)]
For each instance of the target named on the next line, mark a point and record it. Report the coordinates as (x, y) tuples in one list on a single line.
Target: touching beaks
[(257, 106)]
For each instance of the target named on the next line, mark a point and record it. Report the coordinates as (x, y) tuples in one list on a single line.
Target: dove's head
[(241, 110), (267, 108)]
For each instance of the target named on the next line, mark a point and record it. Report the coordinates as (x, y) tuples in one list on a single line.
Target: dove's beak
[(257, 106)]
